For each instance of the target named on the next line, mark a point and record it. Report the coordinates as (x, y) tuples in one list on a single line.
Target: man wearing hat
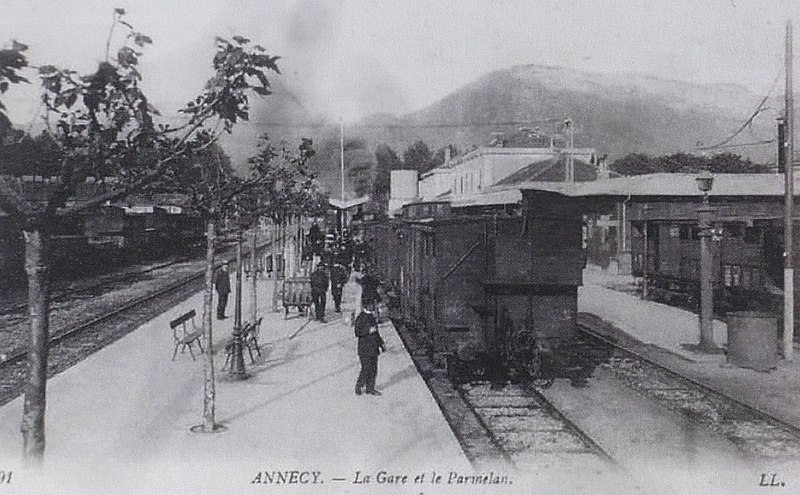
[(222, 283), (370, 345), (319, 290), (338, 280)]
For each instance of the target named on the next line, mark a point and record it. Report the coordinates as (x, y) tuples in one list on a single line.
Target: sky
[(351, 58)]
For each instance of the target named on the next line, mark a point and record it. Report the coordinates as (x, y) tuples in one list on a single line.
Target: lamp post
[(705, 182), (237, 356)]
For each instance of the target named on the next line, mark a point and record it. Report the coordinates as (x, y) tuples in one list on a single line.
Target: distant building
[(472, 179), (485, 166)]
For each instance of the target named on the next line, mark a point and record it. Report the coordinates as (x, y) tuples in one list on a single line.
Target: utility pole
[(341, 156), (570, 172), (788, 226)]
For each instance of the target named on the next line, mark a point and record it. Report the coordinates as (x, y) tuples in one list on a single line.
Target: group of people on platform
[(338, 254)]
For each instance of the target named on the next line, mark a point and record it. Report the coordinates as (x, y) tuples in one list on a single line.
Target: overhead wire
[(748, 122), (401, 126)]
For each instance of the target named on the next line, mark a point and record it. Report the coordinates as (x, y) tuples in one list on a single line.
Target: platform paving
[(119, 422)]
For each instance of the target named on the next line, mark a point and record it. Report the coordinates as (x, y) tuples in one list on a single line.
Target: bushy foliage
[(638, 164)]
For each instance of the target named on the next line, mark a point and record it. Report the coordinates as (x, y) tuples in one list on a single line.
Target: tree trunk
[(36, 267), (298, 240), (209, 393), (284, 247)]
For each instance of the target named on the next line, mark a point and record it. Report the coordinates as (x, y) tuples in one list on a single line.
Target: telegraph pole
[(570, 172), (788, 226)]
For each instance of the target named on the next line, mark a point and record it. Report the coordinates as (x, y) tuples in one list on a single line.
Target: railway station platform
[(659, 332), (119, 421)]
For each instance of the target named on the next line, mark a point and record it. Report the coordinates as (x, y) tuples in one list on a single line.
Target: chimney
[(602, 167), (447, 156)]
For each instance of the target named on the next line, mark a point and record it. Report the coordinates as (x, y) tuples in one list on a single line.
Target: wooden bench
[(186, 333), (297, 292)]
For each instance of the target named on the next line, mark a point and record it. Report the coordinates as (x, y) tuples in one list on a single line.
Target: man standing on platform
[(369, 287), (370, 345), (222, 282), (338, 279), (319, 290)]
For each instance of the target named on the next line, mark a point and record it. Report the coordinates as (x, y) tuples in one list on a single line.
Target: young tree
[(386, 160), (105, 130), (208, 178)]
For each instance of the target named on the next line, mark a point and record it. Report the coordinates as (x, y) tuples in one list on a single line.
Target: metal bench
[(250, 334), (186, 333), (250, 339)]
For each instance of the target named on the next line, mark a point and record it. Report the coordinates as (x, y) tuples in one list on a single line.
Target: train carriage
[(747, 256)]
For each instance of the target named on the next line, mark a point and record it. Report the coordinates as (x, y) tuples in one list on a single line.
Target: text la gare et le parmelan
[(301, 477)]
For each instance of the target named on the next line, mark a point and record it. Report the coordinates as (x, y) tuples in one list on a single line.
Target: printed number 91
[(5, 477)]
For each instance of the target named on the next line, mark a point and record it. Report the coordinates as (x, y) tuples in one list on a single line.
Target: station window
[(732, 275), (685, 232), (736, 272), (695, 233), (674, 231), (428, 244)]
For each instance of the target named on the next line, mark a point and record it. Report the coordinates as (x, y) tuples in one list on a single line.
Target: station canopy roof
[(664, 184), (348, 203)]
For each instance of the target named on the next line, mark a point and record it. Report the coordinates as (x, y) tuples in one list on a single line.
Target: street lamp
[(237, 371), (705, 181)]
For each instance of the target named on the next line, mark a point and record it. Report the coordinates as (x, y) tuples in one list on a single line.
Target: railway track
[(70, 289), (526, 427), (513, 424), (71, 345), (755, 432)]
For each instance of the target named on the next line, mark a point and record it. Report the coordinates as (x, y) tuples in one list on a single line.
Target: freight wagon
[(489, 292)]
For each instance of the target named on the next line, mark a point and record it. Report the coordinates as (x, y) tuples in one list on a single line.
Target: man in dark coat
[(338, 279), (222, 282), (369, 288), (319, 290), (370, 345)]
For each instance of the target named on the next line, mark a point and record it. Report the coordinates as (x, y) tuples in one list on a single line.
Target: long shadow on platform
[(398, 377), (278, 397), (290, 355)]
